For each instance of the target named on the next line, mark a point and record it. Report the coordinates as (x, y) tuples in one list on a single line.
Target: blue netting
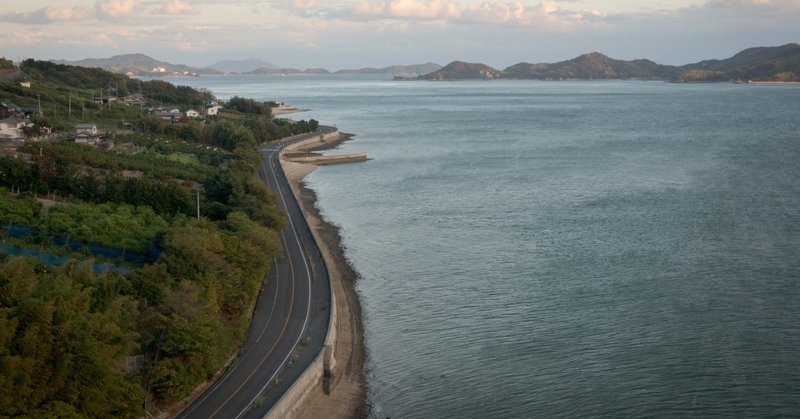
[(153, 252), (50, 259)]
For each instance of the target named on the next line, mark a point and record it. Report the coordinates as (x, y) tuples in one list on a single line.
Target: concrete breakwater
[(321, 160), (301, 151)]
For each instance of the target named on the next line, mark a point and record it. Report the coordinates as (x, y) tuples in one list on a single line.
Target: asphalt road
[(290, 319)]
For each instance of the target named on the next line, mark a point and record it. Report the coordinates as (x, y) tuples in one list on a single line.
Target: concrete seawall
[(313, 142), (325, 160), (323, 367)]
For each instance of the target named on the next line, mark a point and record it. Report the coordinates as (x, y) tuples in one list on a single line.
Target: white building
[(191, 113), (213, 110), (11, 128)]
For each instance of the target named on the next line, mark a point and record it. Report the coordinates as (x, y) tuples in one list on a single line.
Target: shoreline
[(347, 398)]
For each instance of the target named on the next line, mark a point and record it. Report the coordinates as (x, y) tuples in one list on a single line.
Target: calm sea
[(551, 249)]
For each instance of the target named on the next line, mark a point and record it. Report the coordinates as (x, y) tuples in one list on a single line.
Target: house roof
[(85, 126), (10, 106)]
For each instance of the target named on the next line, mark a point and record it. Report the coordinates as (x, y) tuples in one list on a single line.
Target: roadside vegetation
[(77, 343)]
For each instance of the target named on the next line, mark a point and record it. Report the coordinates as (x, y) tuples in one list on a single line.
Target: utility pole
[(198, 204), (70, 105)]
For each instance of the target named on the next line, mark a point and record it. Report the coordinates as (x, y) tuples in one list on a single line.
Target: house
[(213, 110), (165, 115), (134, 99), (159, 70), (90, 129), (87, 134), (191, 113), (8, 109), (11, 128)]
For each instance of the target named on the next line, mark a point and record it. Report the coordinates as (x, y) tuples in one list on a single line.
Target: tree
[(6, 64)]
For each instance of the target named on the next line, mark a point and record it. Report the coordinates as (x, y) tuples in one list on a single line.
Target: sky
[(339, 34)]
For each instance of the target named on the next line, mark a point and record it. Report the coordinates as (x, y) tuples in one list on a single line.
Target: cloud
[(63, 14), (751, 6), (193, 46), (546, 15), (117, 9), (406, 9), (304, 5), (23, 38), (178, 7), (49, 14), (89, 40)]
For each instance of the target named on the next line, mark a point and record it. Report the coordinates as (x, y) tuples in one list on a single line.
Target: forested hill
[(459, 70), (758, 64), (395, 70), (138, 64), (132, 340), (591, 66)]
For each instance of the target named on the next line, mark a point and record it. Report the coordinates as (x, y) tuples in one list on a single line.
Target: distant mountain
[(591, 66), (287, 71), (758, 64), (754, 64), (138, 64), (460, 70), (395, 70), (241, 66), (747, 58)]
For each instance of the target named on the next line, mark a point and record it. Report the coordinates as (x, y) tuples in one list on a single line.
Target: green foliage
[(167, 93), (76, 77), (21, 210), (250, 106), (109, 225), (6, 64), (55, 174), (701, 76), (204, 287), (62, 351), (204, 154), (229, 134), (157, 165)]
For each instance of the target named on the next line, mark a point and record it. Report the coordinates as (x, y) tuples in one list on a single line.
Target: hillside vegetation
[(77, 343), (459, 70)]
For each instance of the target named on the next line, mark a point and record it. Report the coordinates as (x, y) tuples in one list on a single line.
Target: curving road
[(290, 319)]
